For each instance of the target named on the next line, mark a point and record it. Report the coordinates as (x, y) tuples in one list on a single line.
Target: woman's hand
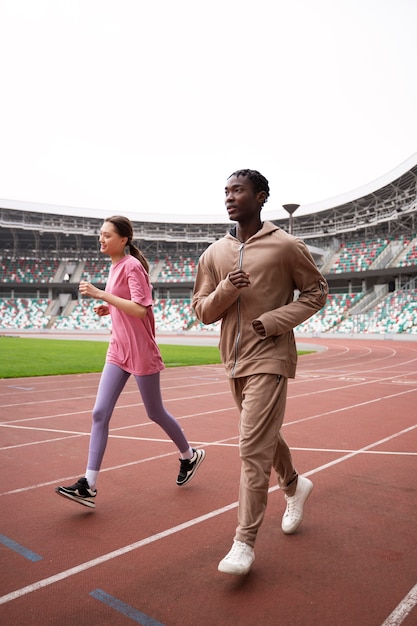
[(101, 309), (87, 289)]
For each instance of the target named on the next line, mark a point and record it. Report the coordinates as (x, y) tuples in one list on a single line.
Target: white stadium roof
[(360, 192), (275, 214)]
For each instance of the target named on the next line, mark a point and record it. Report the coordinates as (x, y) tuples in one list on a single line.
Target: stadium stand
[(22, 270), (331, 316), (408, 257), (356, 256), (24, 313), (178, 270), (95, 270), (80, 316), (364, 242)]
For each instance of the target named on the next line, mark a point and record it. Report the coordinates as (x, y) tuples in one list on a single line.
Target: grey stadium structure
[(364, 241)]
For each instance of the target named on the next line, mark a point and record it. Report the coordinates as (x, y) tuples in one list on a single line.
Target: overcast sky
[(147, 106)]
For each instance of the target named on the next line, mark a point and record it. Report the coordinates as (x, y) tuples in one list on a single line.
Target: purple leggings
[(112, 381)]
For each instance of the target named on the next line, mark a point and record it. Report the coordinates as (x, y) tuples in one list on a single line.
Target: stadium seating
[(410, 254), (82, 317), (22, 270), (178, 315), (397, 313), (356, 256), (330, 317), (172, 315), (96, 270), (178, 270), (23, 313)]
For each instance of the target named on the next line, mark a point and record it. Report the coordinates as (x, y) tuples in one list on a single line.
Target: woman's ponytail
[(134, 251)]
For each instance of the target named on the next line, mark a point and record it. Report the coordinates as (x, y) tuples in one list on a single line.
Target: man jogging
[(247, 280)]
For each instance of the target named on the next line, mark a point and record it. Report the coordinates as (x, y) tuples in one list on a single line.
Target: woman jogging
[(132, 351)]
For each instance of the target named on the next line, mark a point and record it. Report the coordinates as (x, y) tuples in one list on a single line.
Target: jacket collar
[(266, 228)]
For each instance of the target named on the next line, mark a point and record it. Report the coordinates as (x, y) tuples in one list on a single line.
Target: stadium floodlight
[(291, 209)]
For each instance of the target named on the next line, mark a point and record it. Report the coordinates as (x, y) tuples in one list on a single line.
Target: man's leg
[(261, 400), (261, 448)]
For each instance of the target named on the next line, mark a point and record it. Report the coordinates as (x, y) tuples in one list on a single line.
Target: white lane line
[(351, 406), (112, 555), (404, 608), (373, 381), (128, 391), (70, 434), (170, 531), (119, 406), (291, 397), (56, 481)]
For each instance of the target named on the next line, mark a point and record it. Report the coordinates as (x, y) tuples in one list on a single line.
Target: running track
[(149, 552)]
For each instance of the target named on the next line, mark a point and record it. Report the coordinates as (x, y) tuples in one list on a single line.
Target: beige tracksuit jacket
[(278, 264)]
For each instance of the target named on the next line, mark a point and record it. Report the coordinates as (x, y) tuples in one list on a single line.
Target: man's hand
[(239, 279), (259, 327)]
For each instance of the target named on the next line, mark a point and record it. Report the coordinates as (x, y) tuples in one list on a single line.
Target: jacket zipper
[(242, 245)]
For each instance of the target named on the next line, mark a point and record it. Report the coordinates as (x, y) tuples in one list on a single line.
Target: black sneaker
[(80, 492), (188, 467)]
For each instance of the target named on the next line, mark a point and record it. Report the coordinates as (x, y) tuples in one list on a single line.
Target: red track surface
[(154, 547)]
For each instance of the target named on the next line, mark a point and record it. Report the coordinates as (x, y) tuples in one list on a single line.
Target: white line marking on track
[(21, 388), (125, 392), (119, 406), (407, 604), (35, 443), (348, 408), (331, 450), (112, 555), (175, 529), (373, 381), (71, 434)]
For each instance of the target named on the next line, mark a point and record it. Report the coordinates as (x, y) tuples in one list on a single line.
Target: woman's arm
[(127, 306)]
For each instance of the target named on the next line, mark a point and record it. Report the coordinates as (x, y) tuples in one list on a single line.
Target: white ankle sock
[(91, 476), (185, 455)]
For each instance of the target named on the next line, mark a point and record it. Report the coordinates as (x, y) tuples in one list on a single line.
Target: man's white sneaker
[(239, 560), (293, 515)]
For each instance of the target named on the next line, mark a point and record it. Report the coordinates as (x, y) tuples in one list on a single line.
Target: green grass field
[(20, 357)]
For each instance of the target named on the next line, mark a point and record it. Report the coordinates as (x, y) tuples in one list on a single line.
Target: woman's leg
[(149, 387), (112, 382)]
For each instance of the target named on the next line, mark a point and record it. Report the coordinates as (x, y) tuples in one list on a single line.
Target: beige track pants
[(261, 399)]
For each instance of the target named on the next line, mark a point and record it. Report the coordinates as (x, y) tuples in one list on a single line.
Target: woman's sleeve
[(139, 286)]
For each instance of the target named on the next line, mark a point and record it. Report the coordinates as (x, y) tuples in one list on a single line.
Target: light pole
[(290, 208)]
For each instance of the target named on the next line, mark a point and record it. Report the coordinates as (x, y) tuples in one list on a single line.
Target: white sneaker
[(293, 515), (238, 560)]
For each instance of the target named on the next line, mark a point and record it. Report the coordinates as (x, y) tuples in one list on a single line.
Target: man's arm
[(211, 299), (313, 290)]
